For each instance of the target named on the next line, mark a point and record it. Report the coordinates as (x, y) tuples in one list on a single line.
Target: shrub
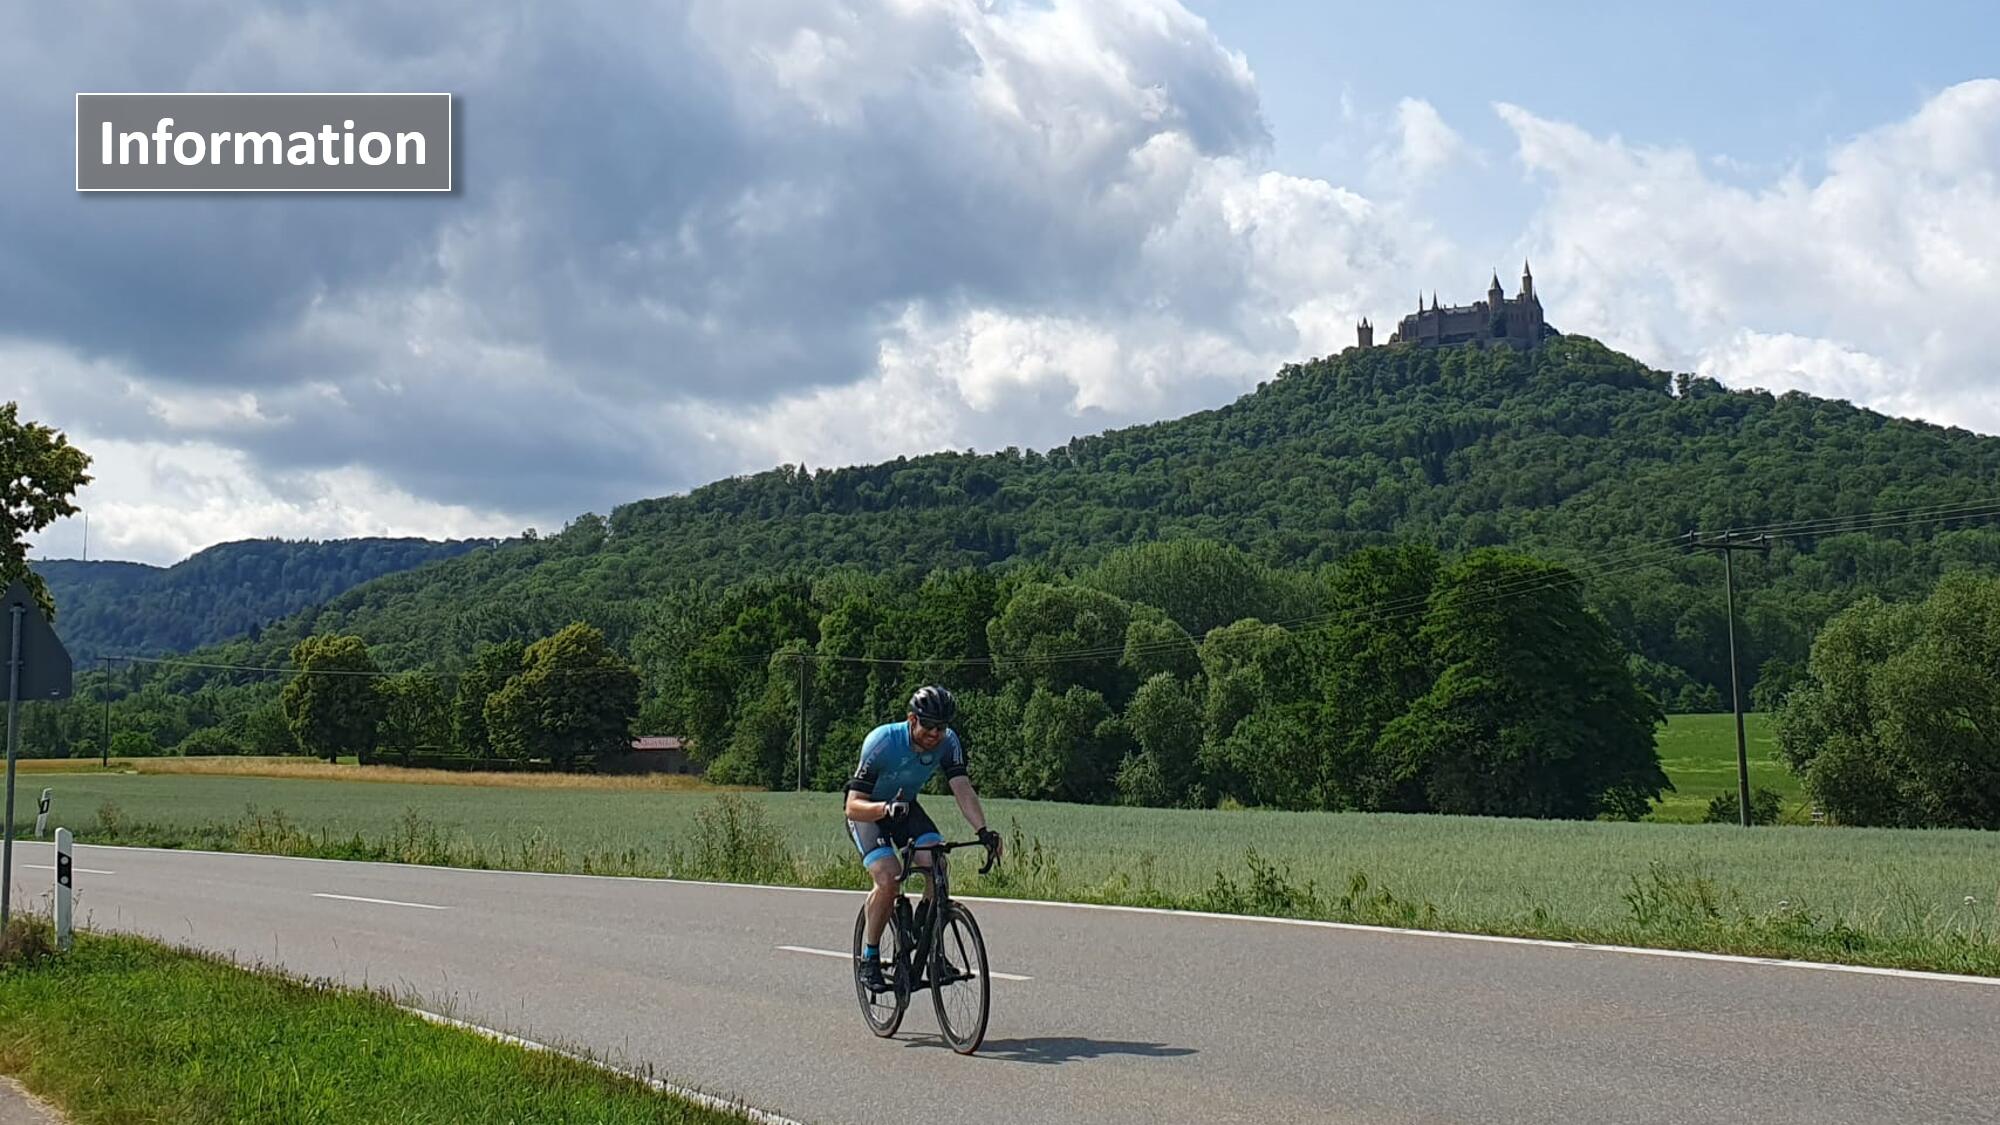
[(1764, 807)]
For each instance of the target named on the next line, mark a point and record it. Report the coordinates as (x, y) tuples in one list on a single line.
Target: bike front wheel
[(961, 984), (883, 1011)]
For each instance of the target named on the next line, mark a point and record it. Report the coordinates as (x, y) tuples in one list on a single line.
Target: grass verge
[(122, 1029)]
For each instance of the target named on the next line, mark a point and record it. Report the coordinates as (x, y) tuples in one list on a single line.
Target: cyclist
[(897, 759)]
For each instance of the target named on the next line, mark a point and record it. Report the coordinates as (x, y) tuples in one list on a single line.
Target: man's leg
[(887, 871)]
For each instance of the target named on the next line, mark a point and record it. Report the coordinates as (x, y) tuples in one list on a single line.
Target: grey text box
[(263, 142)]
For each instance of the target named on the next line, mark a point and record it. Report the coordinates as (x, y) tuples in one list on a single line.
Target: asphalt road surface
[(1118, 1016)]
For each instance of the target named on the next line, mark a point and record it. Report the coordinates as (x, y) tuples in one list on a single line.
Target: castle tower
[(1527, 282), (1495, 295), (1365, 333)]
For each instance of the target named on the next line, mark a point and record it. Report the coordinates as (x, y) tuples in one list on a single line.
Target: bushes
[(27, 941), (1765, 804)]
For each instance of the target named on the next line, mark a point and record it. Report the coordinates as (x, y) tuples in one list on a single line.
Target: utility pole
[(1727, 546), (802, 721), (104, 747)]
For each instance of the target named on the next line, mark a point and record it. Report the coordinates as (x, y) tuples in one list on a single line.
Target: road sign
[(45, 665), (37, 667)]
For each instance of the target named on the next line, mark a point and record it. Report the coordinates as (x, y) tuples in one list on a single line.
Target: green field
[(1699, 755), (1478, 869)]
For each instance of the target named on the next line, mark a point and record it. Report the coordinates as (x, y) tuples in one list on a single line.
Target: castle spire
[(1527, 281)]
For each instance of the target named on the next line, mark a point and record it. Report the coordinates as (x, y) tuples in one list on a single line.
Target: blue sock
[(870, 953)]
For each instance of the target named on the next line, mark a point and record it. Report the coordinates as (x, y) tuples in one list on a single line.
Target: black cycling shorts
[(877, 838)]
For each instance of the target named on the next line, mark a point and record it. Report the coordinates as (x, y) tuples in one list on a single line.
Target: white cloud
[(894, 225), (160, 502), (1875, 282), (1425, 145)]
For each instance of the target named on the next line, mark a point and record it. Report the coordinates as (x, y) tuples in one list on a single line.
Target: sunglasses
[(930, 726)]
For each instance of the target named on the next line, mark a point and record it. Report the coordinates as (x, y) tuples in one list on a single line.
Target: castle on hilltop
[(1498, 320)]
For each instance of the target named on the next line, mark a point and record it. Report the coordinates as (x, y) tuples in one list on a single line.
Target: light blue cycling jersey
[(889, 763)]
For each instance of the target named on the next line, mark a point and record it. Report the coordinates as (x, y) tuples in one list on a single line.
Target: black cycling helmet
[(933, 704)]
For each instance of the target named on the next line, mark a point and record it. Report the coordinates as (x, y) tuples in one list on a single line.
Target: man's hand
[(896, 808), (992, 841)]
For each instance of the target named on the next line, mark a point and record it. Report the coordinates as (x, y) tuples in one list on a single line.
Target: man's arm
[(859, 807), (968, 803)]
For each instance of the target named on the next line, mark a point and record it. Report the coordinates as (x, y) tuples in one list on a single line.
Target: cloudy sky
[(703, 238)]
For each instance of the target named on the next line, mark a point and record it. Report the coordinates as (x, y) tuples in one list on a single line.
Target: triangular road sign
[(45, 664)]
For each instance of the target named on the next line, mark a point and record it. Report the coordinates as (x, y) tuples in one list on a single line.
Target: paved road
[(1124, 1017)]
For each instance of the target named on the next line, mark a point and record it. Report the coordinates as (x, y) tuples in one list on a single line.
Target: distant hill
[(229, 590), (1572, 451)]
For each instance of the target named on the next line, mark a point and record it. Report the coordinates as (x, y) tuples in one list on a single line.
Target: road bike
[(918, 953)]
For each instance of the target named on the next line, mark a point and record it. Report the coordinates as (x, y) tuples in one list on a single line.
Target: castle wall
[(1463, 324)]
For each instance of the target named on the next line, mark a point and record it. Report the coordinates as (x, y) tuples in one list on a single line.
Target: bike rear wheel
[(883, 1011), (961, 984)]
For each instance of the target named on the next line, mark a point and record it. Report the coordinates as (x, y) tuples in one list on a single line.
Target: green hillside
[(1573, 452), (231, 589)]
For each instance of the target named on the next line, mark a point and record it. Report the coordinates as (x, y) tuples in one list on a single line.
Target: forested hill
[(1573, 451), (231, 589)]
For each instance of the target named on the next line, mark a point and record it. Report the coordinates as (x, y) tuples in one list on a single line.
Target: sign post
[(63, 876), (42, 813), (38, 667)]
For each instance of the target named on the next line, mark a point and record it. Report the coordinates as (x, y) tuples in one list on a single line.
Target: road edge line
[(706, 1101)]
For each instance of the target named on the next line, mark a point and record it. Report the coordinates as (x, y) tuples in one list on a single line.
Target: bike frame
[(937, 892)]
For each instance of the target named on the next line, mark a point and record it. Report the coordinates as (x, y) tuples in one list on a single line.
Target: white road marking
[(73, 870), (846, 956), (708, 1100), (1546, 943), (383, 901)]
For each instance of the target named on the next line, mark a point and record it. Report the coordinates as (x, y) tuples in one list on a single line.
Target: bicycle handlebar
[(991, 859)]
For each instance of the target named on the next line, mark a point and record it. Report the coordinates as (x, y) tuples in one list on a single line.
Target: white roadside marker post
[(62, 889), (42, 814)]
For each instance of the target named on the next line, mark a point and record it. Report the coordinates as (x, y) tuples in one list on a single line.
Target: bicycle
[(918, 954)]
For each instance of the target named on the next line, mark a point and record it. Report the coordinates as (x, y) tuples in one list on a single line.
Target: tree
[(334, 704), (415, 716), (1247, 667), (39, 472), (1535, 712), (764, 748), (573, 700), (1897, 721), (1155, 644), (1165, 720), (492, 666), (207, 743), (1044, 625), (1373, 663), (1199, 583), (263, 730), (1067, 752)]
